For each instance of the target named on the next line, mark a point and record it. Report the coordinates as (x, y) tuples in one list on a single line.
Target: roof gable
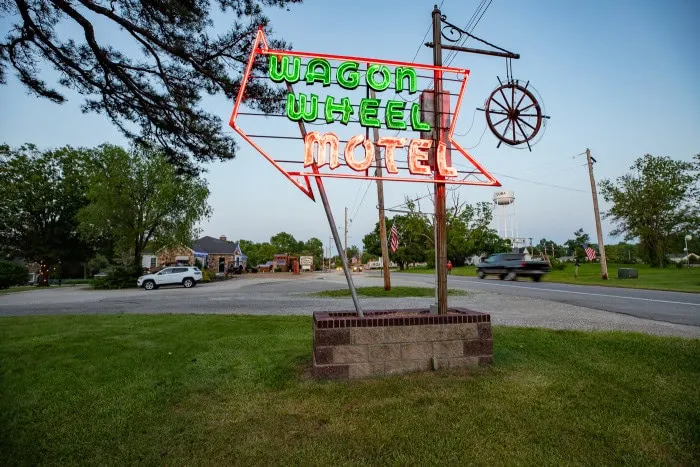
[(213, 245)]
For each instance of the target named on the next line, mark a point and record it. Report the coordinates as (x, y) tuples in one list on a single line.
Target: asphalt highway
[(671, 307)]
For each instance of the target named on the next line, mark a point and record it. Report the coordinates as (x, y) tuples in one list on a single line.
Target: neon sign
[(323, 149)]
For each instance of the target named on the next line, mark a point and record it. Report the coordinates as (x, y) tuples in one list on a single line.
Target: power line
[(369, 184), (539, 183), (549, 163), (453, 53)]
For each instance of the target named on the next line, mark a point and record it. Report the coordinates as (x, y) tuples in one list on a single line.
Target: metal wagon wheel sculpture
[(513, 114)]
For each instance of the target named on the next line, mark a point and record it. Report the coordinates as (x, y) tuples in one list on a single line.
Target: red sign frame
[(301, 179)]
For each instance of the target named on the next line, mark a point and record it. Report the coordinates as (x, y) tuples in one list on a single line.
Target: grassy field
[(671, 278), (52, 283), (204, 389), (21, 288), (396, 291)]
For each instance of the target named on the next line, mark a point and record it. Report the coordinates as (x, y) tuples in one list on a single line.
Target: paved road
[(671, 307), (517, 304)]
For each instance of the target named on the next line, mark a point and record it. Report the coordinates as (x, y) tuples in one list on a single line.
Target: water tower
[(504, 210)]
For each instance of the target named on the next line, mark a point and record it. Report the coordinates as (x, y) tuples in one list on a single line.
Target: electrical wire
[(539, 183), (480, 138), (470, 126), (369, 184)]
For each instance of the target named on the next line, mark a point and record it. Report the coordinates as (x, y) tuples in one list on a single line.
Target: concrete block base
[(398, 341)]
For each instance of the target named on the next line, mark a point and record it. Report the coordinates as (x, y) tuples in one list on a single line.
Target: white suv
[(187, 276)]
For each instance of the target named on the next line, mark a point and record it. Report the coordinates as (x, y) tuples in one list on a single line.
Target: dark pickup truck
[(510, 266)]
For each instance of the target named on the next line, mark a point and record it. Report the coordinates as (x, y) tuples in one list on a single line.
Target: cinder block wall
[(399, 341)]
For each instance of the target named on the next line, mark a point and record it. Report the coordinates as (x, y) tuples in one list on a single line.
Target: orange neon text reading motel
[(324, 148)]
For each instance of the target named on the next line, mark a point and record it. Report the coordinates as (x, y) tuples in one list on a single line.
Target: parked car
[(187, 276), (510, 266)]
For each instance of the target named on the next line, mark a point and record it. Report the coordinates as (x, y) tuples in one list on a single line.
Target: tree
[(624, 253), (12, 273), (352, 252), (468, 233), (655, 201), (574, 245), (285, 243), (154, 95), (545, 246), (413, 231), (137, 198), (40, 196)]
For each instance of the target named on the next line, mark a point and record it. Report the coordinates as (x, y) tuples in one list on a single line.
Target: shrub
[(207, 275), (12, 273), (121, 277), (254, 270)]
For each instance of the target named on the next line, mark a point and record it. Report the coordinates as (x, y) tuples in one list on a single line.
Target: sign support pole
[(440, 189), (334, 228)]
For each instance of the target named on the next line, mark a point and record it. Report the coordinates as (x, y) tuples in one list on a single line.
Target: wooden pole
[(380, 199), (599, 230), (440, 192)]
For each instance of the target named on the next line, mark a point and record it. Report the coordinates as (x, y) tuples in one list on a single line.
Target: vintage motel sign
[(325, 153)]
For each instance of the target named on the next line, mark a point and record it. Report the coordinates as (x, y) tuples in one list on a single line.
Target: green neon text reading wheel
[(513, 114)]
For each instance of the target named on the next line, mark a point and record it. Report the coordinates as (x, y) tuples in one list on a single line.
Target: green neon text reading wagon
[(396, 115)]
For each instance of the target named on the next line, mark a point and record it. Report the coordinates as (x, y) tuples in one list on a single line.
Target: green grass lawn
[(670, 278), (25, 288), (20, 288), (395, 291), (206, 389)]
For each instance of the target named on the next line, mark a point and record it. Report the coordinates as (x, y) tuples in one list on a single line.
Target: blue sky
[(618, 77)]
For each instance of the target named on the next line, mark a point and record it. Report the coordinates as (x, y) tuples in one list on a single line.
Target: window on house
[(153, 262)]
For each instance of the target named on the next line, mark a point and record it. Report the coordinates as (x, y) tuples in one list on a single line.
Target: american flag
[(394, 238), (590, 252)]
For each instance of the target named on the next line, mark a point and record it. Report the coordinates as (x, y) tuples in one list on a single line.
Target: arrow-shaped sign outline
[(306, 186)]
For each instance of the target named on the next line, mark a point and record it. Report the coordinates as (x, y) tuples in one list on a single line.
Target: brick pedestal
[(398, 341)]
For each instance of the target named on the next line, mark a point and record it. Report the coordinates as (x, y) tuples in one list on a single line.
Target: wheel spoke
[(521, 120), (502, 106), (504, 97), (528, 115), (521, 130), (498, 112), (525, 108), (505, 133), (514, 140), (500, 121), (520, 101)]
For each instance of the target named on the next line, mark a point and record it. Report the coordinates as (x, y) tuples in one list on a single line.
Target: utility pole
[(345, 245), (330, 249), (380, 199), (599, 230), (440, 191)]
